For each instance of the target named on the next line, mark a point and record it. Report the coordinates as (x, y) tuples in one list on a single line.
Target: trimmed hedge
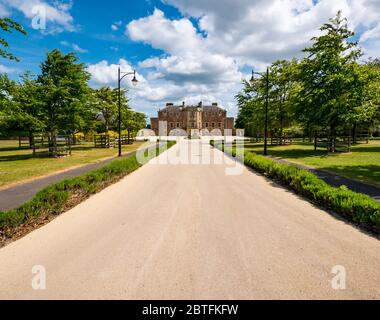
[(56, 198), (358, 207)]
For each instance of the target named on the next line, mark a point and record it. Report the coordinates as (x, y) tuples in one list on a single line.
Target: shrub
[(360, 208)]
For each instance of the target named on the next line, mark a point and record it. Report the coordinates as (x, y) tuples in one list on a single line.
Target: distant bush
[(360, 208), (57, 198), (79, 136)]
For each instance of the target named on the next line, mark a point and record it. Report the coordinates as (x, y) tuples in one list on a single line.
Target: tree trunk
[(52, 144), (332, 140), (74, 139), (354, 129), (31, 142)]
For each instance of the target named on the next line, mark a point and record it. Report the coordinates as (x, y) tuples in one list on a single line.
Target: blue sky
[(93, 20), (182, 50)]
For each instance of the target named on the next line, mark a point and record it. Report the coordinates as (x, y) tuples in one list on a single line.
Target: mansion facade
[(206, 119)]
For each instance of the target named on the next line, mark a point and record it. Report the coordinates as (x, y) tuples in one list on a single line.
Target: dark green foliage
[(54, 199), (330, 82), (63, 89), (358, 207)]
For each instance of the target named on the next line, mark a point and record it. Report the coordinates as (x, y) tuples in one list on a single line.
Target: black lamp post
[(266, 106), (121, 76)]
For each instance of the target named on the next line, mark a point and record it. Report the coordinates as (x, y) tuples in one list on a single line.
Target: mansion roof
[(171, 107)]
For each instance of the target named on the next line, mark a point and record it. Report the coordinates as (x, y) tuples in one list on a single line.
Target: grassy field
[(362, 164), (18, 165)]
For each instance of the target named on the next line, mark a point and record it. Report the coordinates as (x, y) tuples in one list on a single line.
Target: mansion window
[(219, 125), (178, 124), (171, 125), (213, 125), (206, 124)]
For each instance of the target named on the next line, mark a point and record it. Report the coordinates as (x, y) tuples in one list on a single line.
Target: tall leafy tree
[(24, 116), (7, 88), (251, 100), (366, 111), (105, 102), (282, 84), (251, 114), (63, 85), (133, 121), (330, 82)]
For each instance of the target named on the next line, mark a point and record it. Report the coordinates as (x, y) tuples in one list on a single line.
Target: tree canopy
[(327, 90)]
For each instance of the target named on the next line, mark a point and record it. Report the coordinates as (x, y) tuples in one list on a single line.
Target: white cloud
[(73, 46), (230, 35), (115, 26), (174, 36), (191, 70), (104, 73), (58, 14), (79, 49), (5, 69)]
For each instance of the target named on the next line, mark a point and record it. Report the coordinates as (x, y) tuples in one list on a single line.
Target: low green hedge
[(360, 208), (55, 199)]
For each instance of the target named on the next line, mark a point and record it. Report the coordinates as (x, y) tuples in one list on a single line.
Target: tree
[(330, 83), (366, 112), (63, 92), (251, 100), (282, 81), (7, 25), (374, 62), (7, 88), (251, 108), (105, 102), (24, 116), (133, 121)]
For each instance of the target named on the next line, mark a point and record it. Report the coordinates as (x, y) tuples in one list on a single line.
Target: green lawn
[(18, 165), (362, 164)]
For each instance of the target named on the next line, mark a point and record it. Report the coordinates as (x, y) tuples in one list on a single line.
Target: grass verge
[(357, 207), (60, 197), (361, 164), (18, 166)]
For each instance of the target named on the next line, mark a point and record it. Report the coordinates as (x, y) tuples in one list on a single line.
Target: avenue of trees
[(59, 100), (327, 91)]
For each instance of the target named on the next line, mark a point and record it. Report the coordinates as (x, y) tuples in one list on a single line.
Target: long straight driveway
[(189, 231)]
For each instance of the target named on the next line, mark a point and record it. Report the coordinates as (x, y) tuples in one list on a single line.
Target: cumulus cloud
[(209, 51), (105, 73), (190, 70), (58, 14)]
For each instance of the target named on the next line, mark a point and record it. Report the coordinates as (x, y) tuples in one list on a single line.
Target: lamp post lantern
[(121, 76), (266, 106)]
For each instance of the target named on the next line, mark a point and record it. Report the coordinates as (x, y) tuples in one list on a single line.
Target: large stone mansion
[(203, 118)]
